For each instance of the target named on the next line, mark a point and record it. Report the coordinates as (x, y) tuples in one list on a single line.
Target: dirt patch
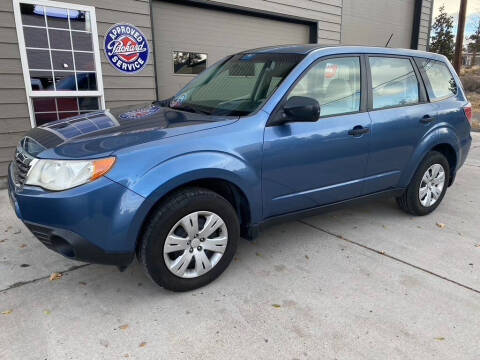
[(474, 98), (471, 83)]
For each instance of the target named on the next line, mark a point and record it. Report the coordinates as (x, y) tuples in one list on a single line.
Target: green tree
[(474, 45), (442, 41)]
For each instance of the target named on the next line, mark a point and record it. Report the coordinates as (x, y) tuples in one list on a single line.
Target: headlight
[(65, 174)]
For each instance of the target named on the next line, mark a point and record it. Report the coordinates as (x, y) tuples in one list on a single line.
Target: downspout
[(417, 15), (153, 50)]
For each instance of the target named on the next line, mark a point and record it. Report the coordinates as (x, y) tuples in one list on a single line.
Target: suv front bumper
[(96, 222)]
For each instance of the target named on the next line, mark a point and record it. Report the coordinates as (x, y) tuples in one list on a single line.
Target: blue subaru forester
[(258, 137)]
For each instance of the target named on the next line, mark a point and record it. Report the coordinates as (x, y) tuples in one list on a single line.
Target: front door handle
[(426, 119), (358, 130)]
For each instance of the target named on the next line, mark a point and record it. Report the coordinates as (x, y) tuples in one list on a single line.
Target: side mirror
[(301, 109)]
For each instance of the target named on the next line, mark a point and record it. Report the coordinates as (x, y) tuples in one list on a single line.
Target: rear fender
[(442, 135)]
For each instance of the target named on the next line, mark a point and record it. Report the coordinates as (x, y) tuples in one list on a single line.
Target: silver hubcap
[(432, 185), (195, 244)]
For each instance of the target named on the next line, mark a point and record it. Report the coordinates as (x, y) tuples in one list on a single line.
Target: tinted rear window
[(442, 83)]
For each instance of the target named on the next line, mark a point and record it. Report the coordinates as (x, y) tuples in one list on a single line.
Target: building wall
[(425, 22), (119, 89), (371, 22), (328, 13)]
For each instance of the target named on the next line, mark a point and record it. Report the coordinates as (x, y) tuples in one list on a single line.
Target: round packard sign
[(126, 48)]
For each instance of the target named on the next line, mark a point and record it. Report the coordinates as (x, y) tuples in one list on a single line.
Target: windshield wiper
[(190, 108)]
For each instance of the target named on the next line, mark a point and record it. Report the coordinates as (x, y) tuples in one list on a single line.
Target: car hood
[(102, 133)]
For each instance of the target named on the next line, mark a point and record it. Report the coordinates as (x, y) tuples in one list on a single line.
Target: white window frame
[(23, 55)]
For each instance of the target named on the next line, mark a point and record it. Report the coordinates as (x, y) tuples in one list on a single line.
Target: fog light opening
[(62, 246)]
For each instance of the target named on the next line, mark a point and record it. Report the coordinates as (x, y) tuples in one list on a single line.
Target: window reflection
[(32, 14), (394, 82), (57, 18), (41, 80), (79, 20), (52, 108), (189, 62), (441, 80)]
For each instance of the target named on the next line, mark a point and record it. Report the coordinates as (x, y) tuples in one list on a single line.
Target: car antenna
[(388, 42)]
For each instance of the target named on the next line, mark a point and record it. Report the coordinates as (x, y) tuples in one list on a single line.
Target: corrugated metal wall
[(119, 88)]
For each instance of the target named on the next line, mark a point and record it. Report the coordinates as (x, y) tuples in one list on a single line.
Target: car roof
[(340, 49)]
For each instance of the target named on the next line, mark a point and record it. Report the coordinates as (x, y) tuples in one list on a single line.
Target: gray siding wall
[(327, 13), (425, 22), (120, 89), (14, 117), (370, 22)]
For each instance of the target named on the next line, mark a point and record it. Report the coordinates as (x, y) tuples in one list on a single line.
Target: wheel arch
[(443, 140)]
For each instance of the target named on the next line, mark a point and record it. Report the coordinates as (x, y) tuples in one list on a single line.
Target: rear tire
[(176, 249), (427, 187)]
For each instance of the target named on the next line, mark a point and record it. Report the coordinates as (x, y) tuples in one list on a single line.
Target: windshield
[(236, 86)]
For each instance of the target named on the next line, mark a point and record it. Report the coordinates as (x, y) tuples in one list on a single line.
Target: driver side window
[(334, 83)]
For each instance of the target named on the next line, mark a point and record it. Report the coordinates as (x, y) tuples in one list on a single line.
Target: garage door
[(187, 38)]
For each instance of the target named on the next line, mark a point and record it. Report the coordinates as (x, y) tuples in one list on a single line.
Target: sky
[(452, 7)]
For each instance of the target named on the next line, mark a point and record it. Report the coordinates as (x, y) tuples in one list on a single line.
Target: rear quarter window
[(441, 82)]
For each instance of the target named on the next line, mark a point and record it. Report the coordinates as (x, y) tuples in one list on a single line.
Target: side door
[(307, 164), (400, 114)]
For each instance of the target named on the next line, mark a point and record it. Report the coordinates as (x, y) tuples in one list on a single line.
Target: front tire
[(427, 187), (189, 240)]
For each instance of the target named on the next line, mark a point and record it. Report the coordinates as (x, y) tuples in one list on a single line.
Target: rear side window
[(394, 82), (442, 83)]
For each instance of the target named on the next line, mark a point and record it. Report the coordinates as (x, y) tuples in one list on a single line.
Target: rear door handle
[(358, 130), (426, 119)]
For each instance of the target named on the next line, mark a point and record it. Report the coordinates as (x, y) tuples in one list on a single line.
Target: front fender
[(180, 170), (439, 135)]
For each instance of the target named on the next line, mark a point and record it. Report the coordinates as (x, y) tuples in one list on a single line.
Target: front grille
[(21, 165)]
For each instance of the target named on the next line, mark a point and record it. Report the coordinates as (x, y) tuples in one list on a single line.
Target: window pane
[(38, 59), (41, 80), (44, 104), (52, 109), (35, 37), (334, 83), (82, 41), (57, 18), (67, 104), (32, 14), (84, 61), (62, 60), (65, 81), (188, 62), (441, 80), (87, 81), (60, 39), (88, 103), (394, 82), (79, 20), (44, 118), (64, 115)]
